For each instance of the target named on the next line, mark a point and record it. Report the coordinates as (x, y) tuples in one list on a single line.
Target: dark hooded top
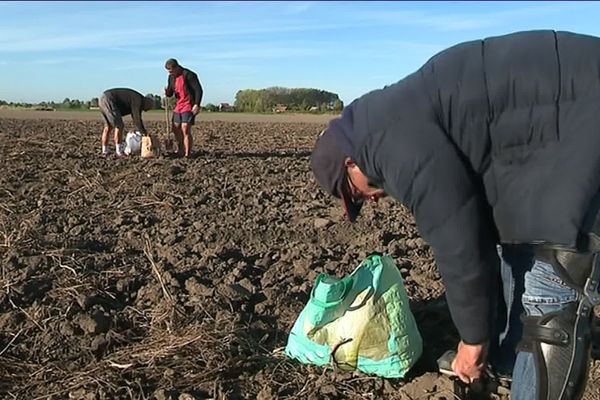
[(128, 101), (192, 86), (491, 141)]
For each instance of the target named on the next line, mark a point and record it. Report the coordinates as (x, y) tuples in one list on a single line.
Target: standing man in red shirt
[(188, 92)]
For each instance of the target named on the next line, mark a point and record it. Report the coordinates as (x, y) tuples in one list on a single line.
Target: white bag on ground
[(133, 143)]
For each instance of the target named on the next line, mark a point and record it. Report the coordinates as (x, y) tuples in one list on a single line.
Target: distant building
[(226, 107), (280, 108)]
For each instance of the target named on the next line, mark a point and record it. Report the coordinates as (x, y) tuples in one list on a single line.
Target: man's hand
[(469, 363), (195, 109)]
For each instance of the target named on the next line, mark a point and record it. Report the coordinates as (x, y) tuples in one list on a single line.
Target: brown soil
[(157, 115), (180, 279)]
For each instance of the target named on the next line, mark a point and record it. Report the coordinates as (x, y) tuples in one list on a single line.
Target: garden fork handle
[(167, 117)]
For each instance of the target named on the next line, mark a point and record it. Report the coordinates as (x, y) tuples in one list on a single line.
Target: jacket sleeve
[(423, 170), (196, 87), (170, 87)]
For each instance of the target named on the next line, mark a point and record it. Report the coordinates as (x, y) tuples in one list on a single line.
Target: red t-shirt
[(184, 102)]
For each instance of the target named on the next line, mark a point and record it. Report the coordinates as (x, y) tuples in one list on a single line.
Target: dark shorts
[(110, 113), (186, 118)]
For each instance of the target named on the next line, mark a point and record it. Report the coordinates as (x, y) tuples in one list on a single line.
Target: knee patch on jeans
[(579, 270), (573, 267), (560, 342)]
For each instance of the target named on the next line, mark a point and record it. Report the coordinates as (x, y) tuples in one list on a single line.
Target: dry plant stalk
[(167, 312), (148, 254)]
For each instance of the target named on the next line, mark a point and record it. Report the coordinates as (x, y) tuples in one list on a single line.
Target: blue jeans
[(541, 291), (515, 261)]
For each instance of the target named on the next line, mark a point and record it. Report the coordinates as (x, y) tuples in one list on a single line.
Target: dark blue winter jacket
[(491, 141)]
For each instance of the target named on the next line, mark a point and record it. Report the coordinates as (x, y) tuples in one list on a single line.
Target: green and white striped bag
[(360, 322)]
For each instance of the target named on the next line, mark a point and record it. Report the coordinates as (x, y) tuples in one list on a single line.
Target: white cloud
[(460, 21), (297, 7), (56, 61), (262, 51)]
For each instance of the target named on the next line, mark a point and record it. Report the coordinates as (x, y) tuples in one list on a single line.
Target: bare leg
[(178, 134), (105, 133), (188, 141), (118, 139)]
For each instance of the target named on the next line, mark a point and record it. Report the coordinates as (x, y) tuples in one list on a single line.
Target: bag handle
[(347, 283)]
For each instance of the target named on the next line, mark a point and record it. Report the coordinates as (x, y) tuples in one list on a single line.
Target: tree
[(211, 107), (157, 102), (168, 101), (259, 106), (301, 99), (338, 105)]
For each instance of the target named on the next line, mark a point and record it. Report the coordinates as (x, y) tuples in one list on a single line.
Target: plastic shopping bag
[(362, 322), (133, 143)]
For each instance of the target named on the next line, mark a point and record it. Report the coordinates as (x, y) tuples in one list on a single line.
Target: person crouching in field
[(114, 104), (493, 146), (184, 84)]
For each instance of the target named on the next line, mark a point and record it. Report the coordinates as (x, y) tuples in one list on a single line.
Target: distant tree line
[(75, 104), (273, 99), (276, 99)]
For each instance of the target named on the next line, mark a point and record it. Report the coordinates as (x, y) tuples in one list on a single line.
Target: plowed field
[(181, 278)]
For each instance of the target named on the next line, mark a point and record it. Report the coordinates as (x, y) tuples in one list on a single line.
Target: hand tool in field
[(168, 140), (479, 389)]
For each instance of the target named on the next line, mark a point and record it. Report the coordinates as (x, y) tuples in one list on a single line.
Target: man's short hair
[(171, 63), (328, 163)]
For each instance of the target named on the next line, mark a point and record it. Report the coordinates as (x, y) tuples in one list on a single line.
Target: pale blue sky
[(53, 50)]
